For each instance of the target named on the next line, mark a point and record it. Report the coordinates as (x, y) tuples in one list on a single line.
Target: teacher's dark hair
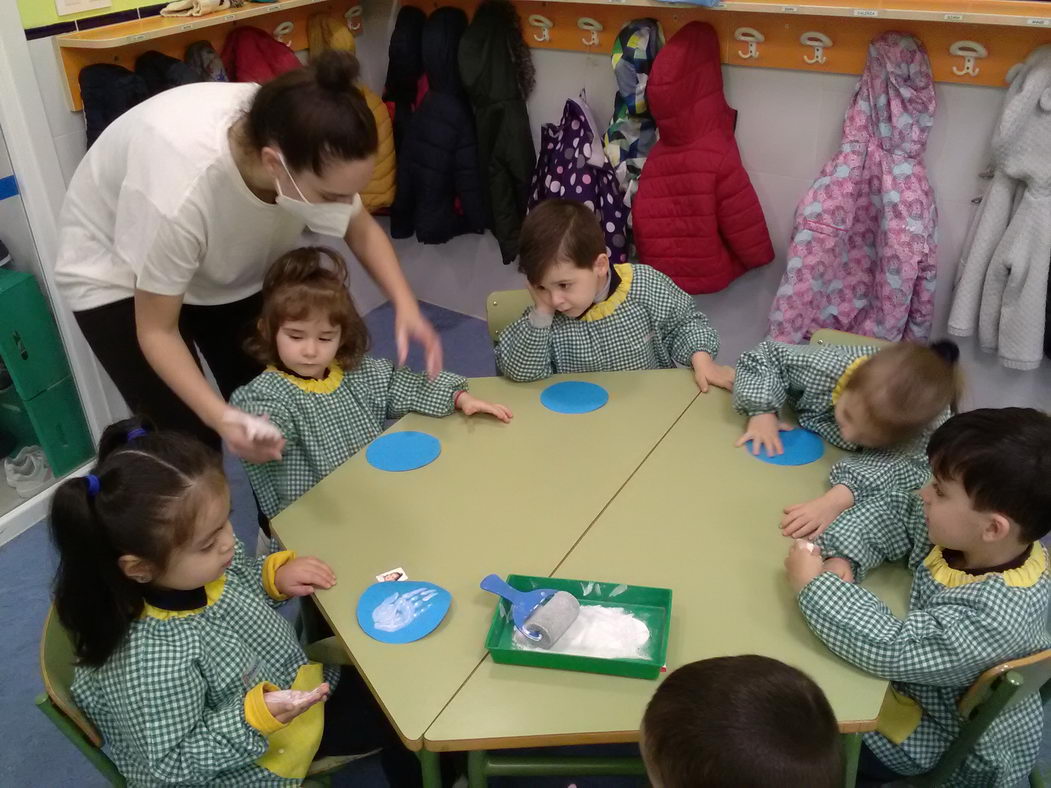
[(314, 114), (141, 499)]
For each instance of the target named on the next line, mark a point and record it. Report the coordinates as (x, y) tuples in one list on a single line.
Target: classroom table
[(700, 517), (500, 498)]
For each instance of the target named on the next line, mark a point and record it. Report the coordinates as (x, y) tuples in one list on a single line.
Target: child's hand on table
[(471, 405), (286, 705), (706, 372), (809, 520), (803, 564), (764, 432), (302, 576), (840, 567)]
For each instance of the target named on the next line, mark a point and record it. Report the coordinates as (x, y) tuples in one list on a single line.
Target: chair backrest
[(504, 307), (830, 336), (1034, 672), (56, 668)]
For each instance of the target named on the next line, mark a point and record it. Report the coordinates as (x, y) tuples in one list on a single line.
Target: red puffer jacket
[(696, 216)]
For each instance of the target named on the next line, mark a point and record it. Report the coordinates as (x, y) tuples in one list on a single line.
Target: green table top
[(700, 517), (500, 498)]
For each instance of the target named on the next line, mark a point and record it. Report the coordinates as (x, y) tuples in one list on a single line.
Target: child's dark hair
[(141, 499), (298, 283), (1002, 457), (906, 385), (741, 722), (314, 114), (559, 231)]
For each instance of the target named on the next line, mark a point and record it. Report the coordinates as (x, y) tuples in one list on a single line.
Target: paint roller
[(542, 616)]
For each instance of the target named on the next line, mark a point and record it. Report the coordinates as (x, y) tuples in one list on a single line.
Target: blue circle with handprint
[(402, 611)]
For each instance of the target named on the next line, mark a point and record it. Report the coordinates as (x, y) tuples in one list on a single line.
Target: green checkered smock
[(171, 701), (958, 626), (326, 422), (647, 322), (805, 376)]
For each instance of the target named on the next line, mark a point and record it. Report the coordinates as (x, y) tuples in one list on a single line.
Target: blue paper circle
[(402, 611), (801, 447), (574, 396), (403, 451)]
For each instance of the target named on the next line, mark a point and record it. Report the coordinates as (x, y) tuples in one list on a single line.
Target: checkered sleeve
[(258, 571), (871, 470), (682, 328), (413, 392), (946, 643), (762, 378), (876, 530), (259, 400), (523, 351), (182, 739)]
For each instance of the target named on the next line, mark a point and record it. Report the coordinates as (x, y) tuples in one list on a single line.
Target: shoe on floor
[(28, 471)]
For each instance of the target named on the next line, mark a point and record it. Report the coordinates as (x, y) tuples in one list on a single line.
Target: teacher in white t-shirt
[(174, 215)]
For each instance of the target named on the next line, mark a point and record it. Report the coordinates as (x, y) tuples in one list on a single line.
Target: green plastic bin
[(60, 426), (651, 605), (29, 341)]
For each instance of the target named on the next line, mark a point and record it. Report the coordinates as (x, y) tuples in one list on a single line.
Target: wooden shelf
[(154, 27), (974, 12)]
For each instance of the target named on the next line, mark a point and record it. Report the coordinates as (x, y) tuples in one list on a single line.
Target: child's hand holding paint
[(803, 564), (286, 705)]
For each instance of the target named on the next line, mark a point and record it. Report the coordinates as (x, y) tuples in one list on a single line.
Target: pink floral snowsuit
[(862, 257)]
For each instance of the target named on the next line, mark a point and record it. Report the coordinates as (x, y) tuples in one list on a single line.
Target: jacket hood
[(685, 90), (635, 50), (894, 101), (495, 63), (404, 55), (1025, 122), (440, 47)]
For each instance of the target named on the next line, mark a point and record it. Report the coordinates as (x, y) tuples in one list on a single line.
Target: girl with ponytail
[(880, 404), (183, 662)]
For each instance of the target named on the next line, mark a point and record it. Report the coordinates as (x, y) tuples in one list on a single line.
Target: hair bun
[(947, 349), (336, 70)]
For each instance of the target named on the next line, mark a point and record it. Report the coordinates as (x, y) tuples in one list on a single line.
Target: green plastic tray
[(652, 605)]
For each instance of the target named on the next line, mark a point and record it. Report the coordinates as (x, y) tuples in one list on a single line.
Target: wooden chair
[(997, 690), (830, 336), (504, 307), (56, 668)]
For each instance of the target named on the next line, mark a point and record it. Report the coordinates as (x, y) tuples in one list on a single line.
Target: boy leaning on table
[(590, 316), (979, 596)]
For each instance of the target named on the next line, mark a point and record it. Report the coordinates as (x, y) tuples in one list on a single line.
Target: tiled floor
[(33, 753)]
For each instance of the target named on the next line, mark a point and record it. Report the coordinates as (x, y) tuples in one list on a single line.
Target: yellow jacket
[(327, 32)]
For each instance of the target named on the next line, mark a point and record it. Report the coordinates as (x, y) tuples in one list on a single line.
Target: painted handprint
[(399, 610)]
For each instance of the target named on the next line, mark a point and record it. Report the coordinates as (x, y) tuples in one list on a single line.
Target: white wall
[(788, 126)]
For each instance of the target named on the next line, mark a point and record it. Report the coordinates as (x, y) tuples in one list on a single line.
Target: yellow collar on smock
[(311, 385), (844, 379), (1024, 576), (614, 299)]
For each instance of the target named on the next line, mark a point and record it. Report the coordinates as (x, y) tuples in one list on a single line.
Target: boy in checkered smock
[(979, 597), (183, 663), (882, 405), (589, 316), (328, 399)]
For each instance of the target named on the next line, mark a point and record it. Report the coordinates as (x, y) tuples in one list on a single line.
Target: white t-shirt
[(158, 204)]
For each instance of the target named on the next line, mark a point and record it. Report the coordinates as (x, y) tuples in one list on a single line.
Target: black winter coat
[(438, 163), (404, 69), (497, 73)]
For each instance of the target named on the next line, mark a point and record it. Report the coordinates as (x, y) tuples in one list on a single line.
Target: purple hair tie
[(93, 485), (138, 432)]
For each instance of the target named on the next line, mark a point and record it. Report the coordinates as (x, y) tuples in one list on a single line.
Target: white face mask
[(324, 218)]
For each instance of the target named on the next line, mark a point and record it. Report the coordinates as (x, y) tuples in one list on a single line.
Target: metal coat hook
[(545, 25), (594, 27), (753, 38), (969, 51), (353, 17), (283, 32), (820, 42)]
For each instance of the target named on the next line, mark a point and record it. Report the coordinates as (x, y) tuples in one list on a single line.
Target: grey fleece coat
[(1001, 287)]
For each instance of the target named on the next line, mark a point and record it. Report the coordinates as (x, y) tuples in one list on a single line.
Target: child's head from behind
[(743, 721), (308, 318), (153, 514), (895, 394), (562, 253), (991, 471)]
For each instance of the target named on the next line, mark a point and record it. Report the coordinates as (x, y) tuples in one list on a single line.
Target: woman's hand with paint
[(764, 431), (803, 564), (286, 705), (251, 438), (470, 405), (302, 576)]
